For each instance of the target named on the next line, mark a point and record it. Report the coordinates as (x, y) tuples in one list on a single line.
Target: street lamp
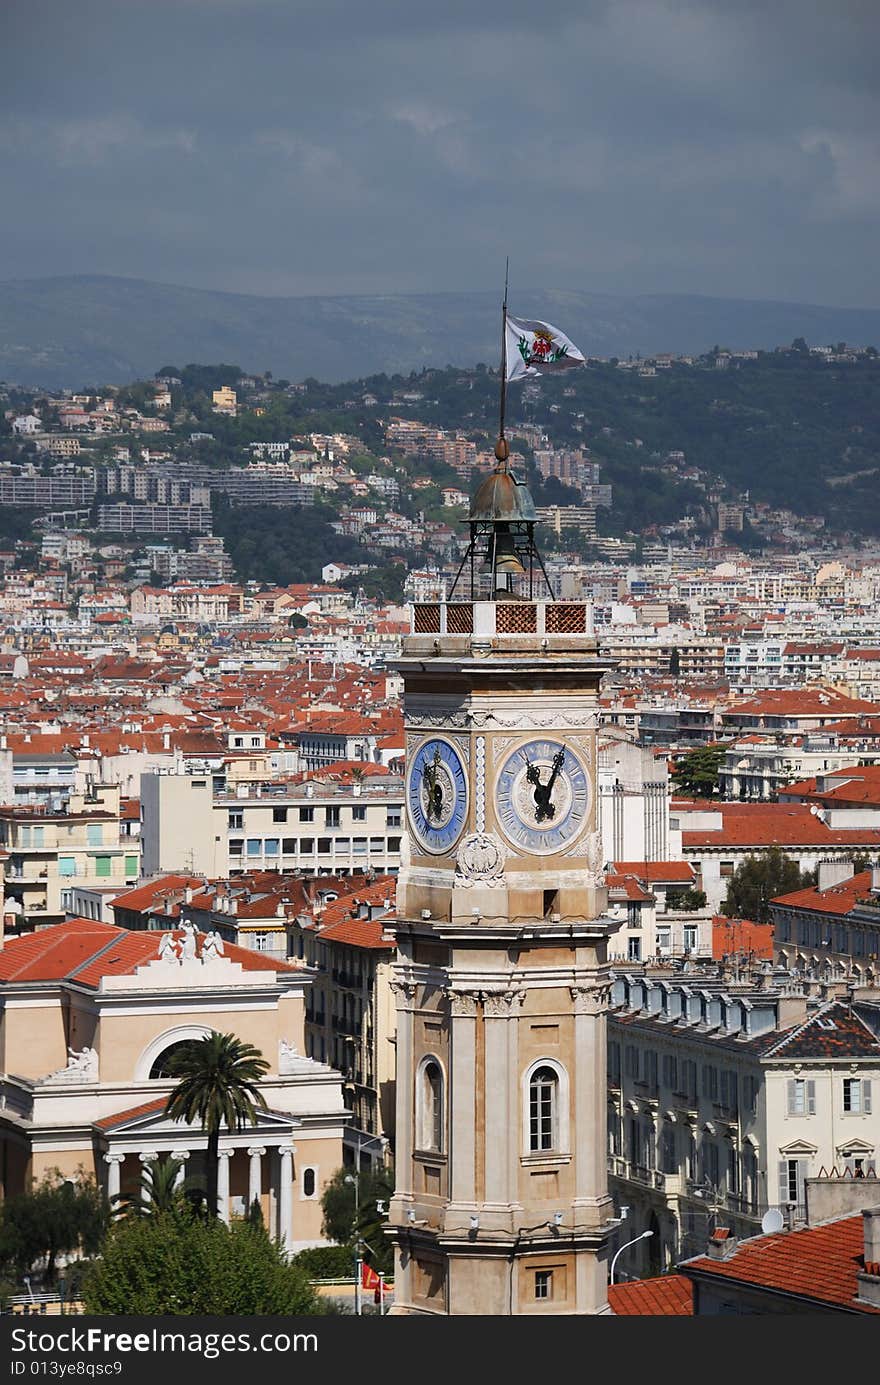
[(353, 1180), (643, 1237)]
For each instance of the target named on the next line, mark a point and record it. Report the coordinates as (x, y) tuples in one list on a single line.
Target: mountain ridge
[(71, 331)]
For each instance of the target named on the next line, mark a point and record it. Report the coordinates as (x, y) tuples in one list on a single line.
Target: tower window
[(543, 1110), (430, 1097), (543, 1283)]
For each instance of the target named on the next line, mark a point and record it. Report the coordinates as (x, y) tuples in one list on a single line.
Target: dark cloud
[(296, 146)]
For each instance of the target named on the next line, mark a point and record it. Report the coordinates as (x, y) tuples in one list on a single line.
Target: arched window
[(160, 1066), (430, 1111), (543, 1110)]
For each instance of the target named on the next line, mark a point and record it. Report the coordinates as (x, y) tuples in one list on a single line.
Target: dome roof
[(503, 499)]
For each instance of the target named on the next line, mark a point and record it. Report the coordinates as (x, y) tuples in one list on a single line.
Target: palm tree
[(218, 1083), (157, 1192)]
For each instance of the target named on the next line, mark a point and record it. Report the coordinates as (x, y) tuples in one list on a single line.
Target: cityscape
[(440, 803)]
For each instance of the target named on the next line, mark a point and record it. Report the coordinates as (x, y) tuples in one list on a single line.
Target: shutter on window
[(801, 1175), (866, 1096), (791, 1085), (783, 1181), (811, 1098)]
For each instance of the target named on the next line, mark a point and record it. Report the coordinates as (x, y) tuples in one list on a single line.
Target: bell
[(506, 556)]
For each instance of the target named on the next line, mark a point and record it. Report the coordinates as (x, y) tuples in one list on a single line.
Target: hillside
[(85, 330)]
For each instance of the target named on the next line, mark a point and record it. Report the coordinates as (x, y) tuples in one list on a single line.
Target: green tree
[(180, 1264), (58, 1218), (359, 1224), (157, 1191), (697, 773), (674, 662), (218, 1077), (758, 880)]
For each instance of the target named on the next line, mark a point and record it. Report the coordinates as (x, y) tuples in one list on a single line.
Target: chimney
[(166, 740), (188, 895), (834, 873), (868, 1279), (722, 1244), (84, 739), (875, 880)]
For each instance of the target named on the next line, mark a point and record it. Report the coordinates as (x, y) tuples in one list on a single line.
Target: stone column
[(223, 1184), (255, 1174), (147, 1157), (589, 1134), (114, 1164), (285, 1196), (405, 992), (461, 1097), (500, 1129), (182, 1155)]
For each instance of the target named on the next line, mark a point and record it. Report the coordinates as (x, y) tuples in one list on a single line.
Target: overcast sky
[(376, 146)]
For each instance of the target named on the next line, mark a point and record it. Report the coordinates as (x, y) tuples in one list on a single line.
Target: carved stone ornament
[(405, 992), (480, 860), (463, 1004), (82, 1066), (595, 860), (291, 1061), (501, 1004), (590, 1000)]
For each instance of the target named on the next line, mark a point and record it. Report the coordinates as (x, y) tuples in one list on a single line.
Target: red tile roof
[(819, 1263), (741, 935), (658, 872), (84, 951), (774, 824), (669, 1295), (145, 1109)]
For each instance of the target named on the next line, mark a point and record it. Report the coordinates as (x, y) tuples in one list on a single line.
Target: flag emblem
[(534, 348)]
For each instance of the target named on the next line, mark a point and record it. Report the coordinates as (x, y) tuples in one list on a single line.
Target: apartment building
[(50, 852), (724, 1099), (314, 828), (350, 1009)]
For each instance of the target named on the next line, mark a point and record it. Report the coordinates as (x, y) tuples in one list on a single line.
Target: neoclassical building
[(89, 1015)]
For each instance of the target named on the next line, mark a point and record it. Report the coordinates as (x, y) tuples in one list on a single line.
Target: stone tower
[(501, 1203)]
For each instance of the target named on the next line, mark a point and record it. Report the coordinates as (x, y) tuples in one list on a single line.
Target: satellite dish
[(772, 1220)]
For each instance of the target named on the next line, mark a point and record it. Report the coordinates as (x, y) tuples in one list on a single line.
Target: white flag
[(536, 348)]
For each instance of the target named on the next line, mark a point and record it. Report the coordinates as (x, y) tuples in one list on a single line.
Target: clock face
[(542, 796), (436, 795)]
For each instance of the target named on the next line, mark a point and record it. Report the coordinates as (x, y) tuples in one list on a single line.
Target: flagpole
[(502, 451)]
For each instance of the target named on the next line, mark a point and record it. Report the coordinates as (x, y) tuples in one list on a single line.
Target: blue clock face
[(542, 796), (436, 795)]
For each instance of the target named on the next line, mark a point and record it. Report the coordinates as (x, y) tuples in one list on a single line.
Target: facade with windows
[(833, 928), (51, 853), (723, 1100), (311, 828), (350, 1013)]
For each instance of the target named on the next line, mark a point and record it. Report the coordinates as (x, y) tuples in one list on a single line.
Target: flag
[(536, 348), (369, 1277)]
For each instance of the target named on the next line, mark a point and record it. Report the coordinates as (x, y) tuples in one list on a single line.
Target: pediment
[(799, 1147), (851, 1147), (153, 1123)]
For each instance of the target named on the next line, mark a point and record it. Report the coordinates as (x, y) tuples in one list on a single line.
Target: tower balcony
[(512, 616)]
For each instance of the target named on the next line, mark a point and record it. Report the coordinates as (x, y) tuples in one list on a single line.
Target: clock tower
[(501, 1203)]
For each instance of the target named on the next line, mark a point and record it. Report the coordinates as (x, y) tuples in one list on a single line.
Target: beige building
[(52, 853), (350, 1009), (501, 1203), (90, 1014), (314, 828), (724, 1097)]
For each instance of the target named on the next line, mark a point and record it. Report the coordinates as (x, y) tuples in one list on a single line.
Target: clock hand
[(435, 790), (558, 759)]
